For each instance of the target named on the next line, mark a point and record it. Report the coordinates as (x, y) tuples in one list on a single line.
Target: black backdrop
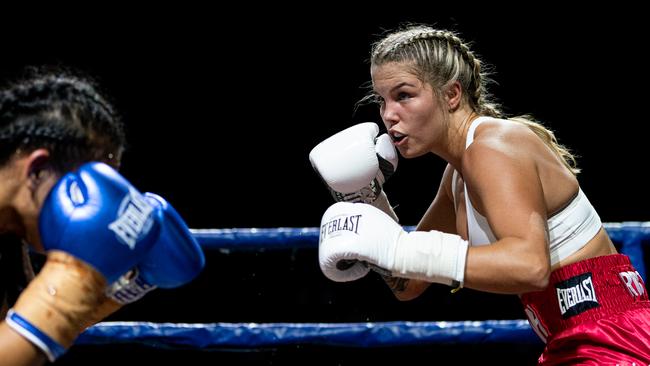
[(222, 108)]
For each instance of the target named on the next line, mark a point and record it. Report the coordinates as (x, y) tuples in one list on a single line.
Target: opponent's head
[(63, 114), (50, 123)]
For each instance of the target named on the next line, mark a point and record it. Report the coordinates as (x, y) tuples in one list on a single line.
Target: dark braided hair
[(63, 113)]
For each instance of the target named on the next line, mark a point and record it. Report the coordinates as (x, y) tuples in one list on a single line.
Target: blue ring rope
[(254, 335), (630, 237)]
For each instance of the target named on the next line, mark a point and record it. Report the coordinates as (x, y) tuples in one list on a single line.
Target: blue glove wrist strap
[(49, 346)]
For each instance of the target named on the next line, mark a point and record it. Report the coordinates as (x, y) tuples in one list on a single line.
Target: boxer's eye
[(403, 96)]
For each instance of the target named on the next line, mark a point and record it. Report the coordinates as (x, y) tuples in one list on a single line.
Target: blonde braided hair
[(439, 58)]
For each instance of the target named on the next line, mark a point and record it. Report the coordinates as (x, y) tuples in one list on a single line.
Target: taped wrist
[(431, 256), (58, 304), (372, 194), (367, 194), (382, 203)]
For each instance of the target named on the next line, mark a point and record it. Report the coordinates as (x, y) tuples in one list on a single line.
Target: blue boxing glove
[(95, 227), (97, 216), (175, 259)]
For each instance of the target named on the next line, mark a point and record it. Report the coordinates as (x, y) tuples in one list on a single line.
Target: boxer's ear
[(453, 94), (37, 168)]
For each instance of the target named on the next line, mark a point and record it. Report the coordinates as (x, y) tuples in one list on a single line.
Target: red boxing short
[(593, 312)]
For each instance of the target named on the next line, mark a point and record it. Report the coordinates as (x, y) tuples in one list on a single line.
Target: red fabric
[(594, 312)]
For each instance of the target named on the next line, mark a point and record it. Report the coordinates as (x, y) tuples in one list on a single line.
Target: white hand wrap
[(431, 256)]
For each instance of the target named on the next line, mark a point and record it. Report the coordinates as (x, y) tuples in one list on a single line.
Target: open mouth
[(397, 137)]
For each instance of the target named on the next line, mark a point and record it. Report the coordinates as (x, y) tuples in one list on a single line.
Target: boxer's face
[(32, 234), (409, 108)]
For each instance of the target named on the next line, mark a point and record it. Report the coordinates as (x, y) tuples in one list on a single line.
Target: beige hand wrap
[(65, 298)]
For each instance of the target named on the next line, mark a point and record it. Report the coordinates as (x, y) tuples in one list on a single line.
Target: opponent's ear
[(453, 95), (38, 168)]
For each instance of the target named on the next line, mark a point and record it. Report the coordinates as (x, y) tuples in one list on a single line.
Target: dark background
[(223, 106)]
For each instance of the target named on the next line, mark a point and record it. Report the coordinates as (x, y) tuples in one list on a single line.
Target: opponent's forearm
[(62, 301), (16, 350)]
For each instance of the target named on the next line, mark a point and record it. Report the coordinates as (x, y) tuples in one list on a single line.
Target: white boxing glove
[(356, 236), (355, 163)]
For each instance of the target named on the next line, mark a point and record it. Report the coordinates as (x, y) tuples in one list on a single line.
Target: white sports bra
[(569, 229)]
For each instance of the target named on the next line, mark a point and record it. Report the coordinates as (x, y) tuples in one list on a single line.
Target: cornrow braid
[(440, 57), (29, 129), (63, 113)]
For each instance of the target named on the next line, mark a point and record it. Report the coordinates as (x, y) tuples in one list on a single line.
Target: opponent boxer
[(509, 216), (106, 243)]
